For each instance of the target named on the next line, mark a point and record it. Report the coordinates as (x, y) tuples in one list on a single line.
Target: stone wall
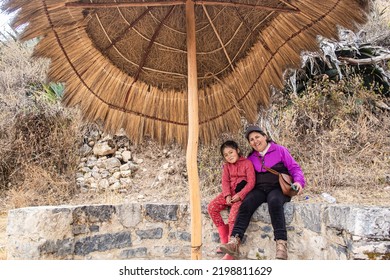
[(162, 231)]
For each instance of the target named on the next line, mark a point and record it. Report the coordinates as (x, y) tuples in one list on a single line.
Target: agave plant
[(53, 91), (352, 55)]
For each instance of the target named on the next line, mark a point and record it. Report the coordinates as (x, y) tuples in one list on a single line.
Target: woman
[(267, 189)]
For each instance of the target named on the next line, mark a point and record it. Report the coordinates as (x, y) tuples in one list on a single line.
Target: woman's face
[(257, 141), (230, 155)]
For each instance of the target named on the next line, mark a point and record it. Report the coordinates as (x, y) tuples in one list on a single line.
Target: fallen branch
[(365, 61)]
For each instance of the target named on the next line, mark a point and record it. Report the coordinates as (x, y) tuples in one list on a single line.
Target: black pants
[(275, 199)]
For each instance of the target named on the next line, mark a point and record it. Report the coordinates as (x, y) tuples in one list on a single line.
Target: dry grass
[(378, 25), (39, 139), (39, 147), (339, 135)]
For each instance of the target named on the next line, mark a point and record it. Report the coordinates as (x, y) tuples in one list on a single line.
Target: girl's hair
[(230, 144)]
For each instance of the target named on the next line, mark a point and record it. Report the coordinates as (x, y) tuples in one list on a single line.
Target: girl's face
[(230, 154), (257, 141)]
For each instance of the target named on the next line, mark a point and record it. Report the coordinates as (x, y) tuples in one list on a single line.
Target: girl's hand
[(228, 200), (235, 198)]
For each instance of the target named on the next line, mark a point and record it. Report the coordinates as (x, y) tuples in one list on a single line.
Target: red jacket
[(234, 173)]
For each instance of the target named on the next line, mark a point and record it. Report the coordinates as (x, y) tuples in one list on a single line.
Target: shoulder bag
[(285, 181)]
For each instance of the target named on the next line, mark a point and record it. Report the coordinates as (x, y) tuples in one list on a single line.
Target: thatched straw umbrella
[(177, 70)]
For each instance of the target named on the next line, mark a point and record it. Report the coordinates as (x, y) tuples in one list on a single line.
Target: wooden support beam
[(243, 5), (177, 2), (122, 4)]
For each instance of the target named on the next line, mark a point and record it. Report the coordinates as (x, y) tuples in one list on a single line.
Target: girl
[(238, 178)]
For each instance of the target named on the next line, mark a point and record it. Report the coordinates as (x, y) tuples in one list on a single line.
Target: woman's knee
[(275, 204), (248, 207)]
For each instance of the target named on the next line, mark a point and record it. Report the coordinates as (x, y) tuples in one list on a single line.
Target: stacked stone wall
[(162, 231)]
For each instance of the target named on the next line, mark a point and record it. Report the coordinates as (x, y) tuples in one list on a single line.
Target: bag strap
[(273, 171)]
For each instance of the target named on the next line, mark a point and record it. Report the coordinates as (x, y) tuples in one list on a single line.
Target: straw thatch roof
[(127, 65)]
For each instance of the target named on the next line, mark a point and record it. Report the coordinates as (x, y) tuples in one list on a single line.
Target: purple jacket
[(278, 154)]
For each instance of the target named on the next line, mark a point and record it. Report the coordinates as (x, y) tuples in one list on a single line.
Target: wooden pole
[(193, 135)]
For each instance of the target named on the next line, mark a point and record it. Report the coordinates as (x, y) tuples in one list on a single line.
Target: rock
[(138, 160), (104, 184), (112, 163), (155, 233), (126, 173), (124, 167), (104, 148), (122, 141), (100, 163), (91, 162), (85, 150), (105, 174), (134, 167), (126, 156), (116, 175), (125, 181), (115, 186), (101, 243), (85, 169), (113, 180), (96, 175), (162, 212)]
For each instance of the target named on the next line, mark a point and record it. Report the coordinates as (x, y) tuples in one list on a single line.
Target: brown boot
[(232, 247), (281, 249)]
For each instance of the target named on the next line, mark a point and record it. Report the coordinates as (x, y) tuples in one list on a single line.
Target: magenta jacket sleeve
[(250, 179), (225, 181), (293, 167)]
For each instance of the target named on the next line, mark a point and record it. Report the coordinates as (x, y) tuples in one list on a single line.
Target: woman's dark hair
[(230, 144)]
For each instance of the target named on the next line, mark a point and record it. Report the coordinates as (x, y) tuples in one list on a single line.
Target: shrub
[(39, 138)]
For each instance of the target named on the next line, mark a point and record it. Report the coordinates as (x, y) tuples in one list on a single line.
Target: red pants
[(217, 205)]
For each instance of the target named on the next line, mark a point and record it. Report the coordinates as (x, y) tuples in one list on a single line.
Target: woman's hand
[(235, 198), (299, 188)]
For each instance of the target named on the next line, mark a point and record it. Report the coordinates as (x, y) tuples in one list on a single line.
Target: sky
[(4, 19)]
